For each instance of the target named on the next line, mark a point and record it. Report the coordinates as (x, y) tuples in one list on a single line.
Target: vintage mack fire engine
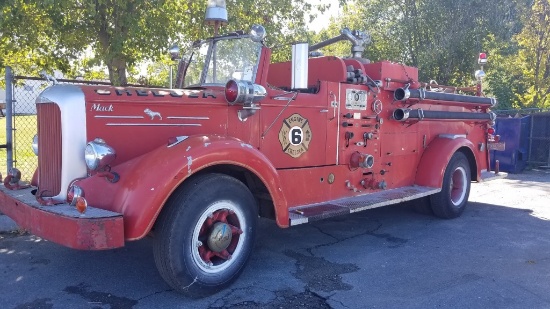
[(244, 138)]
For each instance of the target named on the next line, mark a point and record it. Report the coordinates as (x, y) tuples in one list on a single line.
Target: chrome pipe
[(404, 114), (402, 94)]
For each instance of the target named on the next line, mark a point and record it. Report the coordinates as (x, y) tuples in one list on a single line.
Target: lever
[(348, 136)]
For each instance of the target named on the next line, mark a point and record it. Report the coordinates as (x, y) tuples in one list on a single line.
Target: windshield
[(217, 61)]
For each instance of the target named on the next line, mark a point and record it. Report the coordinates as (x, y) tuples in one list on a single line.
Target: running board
[(313, 212)]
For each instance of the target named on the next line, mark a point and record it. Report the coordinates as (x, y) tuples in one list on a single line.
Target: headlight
[(98, 154), (35, 144)]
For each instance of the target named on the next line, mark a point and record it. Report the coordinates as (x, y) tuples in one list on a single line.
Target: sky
[(322, 21)]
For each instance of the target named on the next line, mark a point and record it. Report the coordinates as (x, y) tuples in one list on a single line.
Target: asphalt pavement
[(497, 255)]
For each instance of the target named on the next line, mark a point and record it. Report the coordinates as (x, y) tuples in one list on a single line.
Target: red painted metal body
[(333, 119), (147, 181), (98, 230)]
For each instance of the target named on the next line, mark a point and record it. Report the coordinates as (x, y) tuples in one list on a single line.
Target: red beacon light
[(482, 59), (244, 92)]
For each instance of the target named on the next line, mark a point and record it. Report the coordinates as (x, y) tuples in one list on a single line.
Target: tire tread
[(167, 226), (440, 201)]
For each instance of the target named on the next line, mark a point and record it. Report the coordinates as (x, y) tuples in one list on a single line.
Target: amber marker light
[(81, 204)]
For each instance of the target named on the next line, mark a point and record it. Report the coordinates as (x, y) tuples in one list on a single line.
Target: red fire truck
[(244, 138)]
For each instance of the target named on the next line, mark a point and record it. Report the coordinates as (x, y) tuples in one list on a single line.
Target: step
[(314, 212)]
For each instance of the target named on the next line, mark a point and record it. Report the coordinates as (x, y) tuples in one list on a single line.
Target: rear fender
[(436, 157), (146, 182)]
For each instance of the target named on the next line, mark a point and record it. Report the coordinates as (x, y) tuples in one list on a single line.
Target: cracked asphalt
[(497, 255)]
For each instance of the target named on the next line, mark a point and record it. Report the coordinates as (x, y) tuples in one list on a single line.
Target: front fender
[(436, 157), (146, 182)]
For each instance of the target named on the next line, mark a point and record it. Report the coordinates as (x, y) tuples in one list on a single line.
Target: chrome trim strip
[(121, 117), (179, 139), (452, 136), (188, 117), (155, 124)]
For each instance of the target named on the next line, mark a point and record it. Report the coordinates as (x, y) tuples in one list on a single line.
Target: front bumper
[(96, 229)]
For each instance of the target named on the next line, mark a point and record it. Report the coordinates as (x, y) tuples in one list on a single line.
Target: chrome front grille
[(49, 149)]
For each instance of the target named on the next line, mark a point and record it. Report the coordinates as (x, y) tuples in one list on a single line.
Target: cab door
[(293, 128)]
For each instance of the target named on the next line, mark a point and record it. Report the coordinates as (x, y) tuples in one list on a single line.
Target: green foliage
[(53, 34), (504, 79), (107, 39), (534, 54), (442, 38), (520, 67), (27, 40)]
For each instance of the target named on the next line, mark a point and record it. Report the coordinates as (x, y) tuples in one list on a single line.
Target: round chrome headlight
[(35, 144), (98, 154)]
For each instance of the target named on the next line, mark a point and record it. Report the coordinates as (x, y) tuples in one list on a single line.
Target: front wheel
[(206, 234), (451, 201)]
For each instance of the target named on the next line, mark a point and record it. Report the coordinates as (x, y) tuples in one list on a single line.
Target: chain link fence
[(20, 120)]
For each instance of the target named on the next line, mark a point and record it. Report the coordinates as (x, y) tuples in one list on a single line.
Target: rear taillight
[(491, 137)]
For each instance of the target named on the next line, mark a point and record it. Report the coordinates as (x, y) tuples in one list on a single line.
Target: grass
[(23, 156)]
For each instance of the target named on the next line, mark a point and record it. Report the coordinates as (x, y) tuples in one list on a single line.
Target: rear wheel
[(451, 201), (206, 234)]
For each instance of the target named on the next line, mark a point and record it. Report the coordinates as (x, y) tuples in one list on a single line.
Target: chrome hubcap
[(218, 237)]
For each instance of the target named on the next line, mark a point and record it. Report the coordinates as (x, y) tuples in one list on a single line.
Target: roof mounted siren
[(216, 14), (357, 38)]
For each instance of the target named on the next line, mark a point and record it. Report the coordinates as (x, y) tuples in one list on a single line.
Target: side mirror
[(299, 65)]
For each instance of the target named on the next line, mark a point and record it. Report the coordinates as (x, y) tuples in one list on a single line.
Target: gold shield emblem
[(295, 135)]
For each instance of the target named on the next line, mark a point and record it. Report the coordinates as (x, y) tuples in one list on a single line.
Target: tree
[(26, 40), (440, 37), (121, 33), (504, 78), (534, 54)]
